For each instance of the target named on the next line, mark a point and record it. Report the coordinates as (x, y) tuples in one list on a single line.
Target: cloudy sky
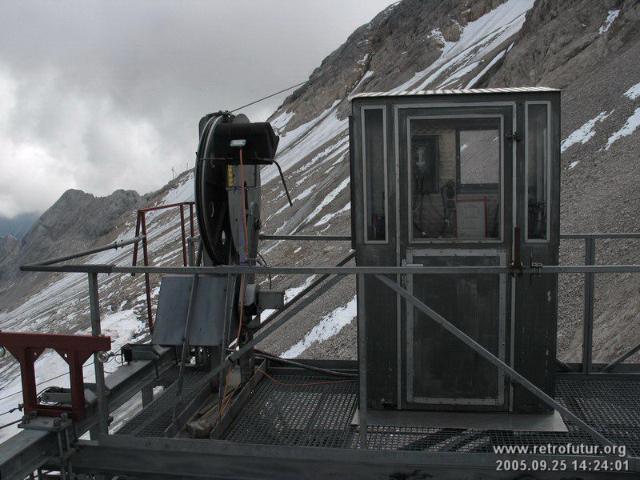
[(100, 95)]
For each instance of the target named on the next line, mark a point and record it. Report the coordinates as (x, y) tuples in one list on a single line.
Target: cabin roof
[(466, 91)]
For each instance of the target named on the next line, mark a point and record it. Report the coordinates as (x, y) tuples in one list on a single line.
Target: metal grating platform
[(305, 411), (311, 411), (153, 420)]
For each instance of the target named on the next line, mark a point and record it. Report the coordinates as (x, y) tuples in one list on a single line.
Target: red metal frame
[(74, 349), (141, 227)]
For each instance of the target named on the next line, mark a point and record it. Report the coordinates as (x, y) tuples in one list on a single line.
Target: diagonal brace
[(491, 358)]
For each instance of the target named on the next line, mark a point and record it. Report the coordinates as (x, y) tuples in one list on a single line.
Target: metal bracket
[(514, 136), (48, 424)]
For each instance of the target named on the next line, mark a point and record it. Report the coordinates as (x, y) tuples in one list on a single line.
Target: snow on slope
[(329, 326), (62, 306), (585, 132), (305, 139), (630, 126), (478, 39)]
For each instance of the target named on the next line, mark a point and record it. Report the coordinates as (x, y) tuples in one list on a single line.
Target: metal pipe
[(134, 262), (362, 366), (367, 270), (621, 358), (111, 246), (183, 237), (94, 307), (490, 357), (319, 238), (147, 283), (587, 319), (191, 228), (164, 207), (611, 236)]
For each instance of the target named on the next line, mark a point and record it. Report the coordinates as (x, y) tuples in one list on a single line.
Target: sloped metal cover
[(173, 304), (466, 91)]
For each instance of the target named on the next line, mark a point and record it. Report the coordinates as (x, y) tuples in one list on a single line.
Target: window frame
[(414, 240), (547, 172), (365, 191)]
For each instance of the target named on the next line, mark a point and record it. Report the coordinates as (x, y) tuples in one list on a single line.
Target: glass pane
[(479, 156), (537, 152), (373, 154), (455, 178)]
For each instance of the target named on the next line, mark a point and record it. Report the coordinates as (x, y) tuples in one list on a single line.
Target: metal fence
[(329, 276)]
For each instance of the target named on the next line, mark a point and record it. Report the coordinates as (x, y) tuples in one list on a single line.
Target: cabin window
[(455, 175), (537, 162), (375, 174)]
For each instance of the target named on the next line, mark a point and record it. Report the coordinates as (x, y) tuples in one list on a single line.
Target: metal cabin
[(457, 178)]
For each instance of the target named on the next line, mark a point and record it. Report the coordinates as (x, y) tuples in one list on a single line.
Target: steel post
[(94, 305), (147, 283), (362, 365), (589, 285), (191, 228), (134, 261), (183, 236)]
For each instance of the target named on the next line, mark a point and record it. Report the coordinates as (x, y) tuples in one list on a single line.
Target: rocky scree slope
[(588, 49)]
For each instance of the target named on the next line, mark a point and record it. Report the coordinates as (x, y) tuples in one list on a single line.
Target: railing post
[(94, 305), (589, 286), (147, 283), (183, 236), (362, 362), (191, 229), (135, 245)]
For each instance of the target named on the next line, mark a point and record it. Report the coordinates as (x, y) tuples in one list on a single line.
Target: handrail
[(112, 246), (603, 236), (369, 270), (589, 269)]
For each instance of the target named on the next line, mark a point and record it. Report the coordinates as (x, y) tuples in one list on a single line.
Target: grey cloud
[(105, 95)]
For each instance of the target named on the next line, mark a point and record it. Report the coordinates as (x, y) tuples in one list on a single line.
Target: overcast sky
[(101, 95)]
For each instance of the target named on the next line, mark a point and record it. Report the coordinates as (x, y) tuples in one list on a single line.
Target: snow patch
[(477, 39), (290, 293), (329, 326), (182, 193), (363, 60), (632, 123), (493, 61), (584, 133), (633, 92), (329, 198), (281, 120), (316, 133), (329, 216), (611, 17), (574, 164), (368, 74)]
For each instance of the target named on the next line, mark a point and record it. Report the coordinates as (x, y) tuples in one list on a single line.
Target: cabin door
[(456, 205)]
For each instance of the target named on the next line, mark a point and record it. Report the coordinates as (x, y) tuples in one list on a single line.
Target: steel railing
[(332, 275)]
